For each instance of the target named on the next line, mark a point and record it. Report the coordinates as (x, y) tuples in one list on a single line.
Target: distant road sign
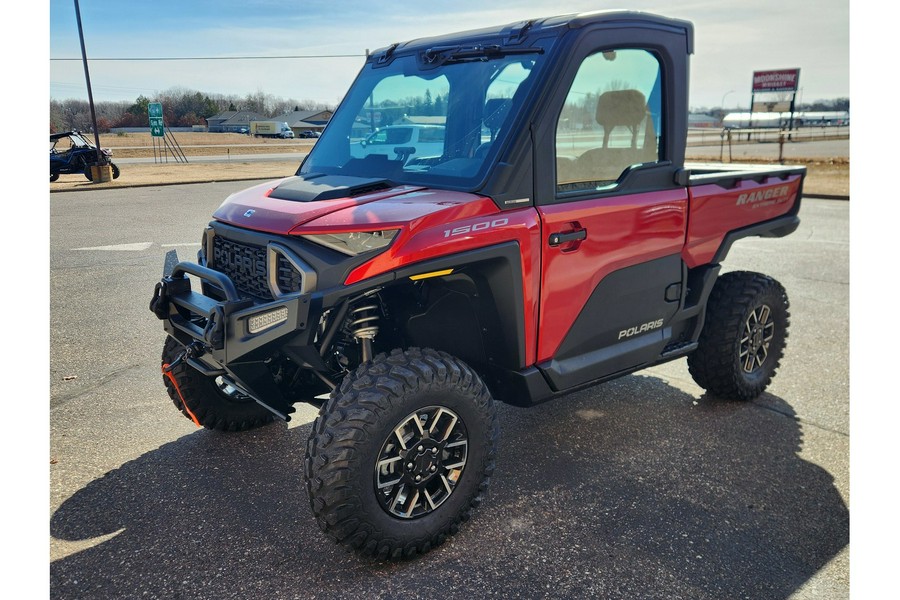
[(154, 109)]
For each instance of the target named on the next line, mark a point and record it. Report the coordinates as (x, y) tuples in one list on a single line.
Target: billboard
[(783, 80)]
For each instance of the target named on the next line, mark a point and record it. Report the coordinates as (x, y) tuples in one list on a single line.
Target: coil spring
[(364, 321)]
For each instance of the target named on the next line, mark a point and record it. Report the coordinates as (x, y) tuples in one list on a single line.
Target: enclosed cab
[(551, 237)]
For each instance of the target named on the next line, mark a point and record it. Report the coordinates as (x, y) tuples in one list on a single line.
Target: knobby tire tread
[(714, 365), (351, 416)]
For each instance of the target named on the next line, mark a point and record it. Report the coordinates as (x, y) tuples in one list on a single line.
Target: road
[(639, 488), (813, 150)]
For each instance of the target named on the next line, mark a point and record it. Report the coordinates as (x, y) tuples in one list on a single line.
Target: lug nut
[(421, 448), (409, 465), (434, 450), (418, 478), (433, 468)]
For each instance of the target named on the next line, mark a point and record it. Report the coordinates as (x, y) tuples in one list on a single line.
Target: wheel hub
[(420, 462), (423, 462), (759, 329)]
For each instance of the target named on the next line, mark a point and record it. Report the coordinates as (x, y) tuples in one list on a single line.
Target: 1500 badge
[(476, 227)]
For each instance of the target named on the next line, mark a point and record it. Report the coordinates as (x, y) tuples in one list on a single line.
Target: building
[(703, 120), (304, 120), (233, 121)]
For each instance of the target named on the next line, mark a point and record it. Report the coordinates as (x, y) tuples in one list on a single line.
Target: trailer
[(738, 120)]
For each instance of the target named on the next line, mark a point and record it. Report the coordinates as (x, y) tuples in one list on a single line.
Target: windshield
[(412, 122)]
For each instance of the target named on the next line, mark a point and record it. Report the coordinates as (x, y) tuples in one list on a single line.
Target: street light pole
[(722, 105), (87, 77)]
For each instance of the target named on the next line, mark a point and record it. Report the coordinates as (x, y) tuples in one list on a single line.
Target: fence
[(728, 137)]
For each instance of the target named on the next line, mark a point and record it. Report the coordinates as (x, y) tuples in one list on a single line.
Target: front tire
[(115, 170), (208, 401), (401, 453), (743, 338)]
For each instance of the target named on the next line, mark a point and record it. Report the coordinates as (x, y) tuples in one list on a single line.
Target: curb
[(826, 197), (166, 183)]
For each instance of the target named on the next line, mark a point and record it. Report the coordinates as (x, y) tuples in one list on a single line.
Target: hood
[(281, 205), (321, 204)]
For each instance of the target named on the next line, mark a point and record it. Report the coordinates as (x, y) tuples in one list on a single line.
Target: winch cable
[(168, 373)]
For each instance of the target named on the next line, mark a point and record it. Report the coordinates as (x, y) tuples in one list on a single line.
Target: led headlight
[(265, 320), (356, 242)]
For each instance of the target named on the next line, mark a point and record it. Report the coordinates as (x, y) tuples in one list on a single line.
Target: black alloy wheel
[(421, 462)]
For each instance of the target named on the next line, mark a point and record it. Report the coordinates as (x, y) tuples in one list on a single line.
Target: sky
[(732, 39)]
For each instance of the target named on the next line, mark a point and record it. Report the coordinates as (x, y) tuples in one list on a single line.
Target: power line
[(169, 58)]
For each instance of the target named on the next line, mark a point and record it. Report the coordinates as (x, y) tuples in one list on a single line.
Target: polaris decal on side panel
[(631, 331)]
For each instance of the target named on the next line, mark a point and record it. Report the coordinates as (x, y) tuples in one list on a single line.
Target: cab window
[(610, 121)]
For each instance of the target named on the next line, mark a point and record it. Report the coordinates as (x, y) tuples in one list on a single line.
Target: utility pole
[(101, 160)]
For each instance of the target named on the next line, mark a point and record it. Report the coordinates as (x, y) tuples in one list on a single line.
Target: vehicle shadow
[(633, 489)]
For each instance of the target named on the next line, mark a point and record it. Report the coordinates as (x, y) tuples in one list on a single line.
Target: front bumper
[(232, 337), (232, 329)]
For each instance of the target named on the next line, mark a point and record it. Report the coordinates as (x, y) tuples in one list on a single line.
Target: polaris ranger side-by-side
[(555, 239)]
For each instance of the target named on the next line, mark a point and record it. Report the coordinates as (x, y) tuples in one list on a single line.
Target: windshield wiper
[(453, 54)]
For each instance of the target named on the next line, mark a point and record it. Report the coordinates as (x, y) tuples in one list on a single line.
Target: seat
[(495, 111), (619, 108)]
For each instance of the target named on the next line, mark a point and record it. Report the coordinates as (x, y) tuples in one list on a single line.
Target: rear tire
[(213, 405), (54, 177), (115, 171), (401, 453), (743, 338)]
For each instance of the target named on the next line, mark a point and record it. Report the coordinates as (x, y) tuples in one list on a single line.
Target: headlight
[(356, 242)]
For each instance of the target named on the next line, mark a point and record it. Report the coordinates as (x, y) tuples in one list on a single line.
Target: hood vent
[(317, 186)]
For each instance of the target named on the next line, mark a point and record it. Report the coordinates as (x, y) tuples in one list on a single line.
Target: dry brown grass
[(141, 145), (830, 177)]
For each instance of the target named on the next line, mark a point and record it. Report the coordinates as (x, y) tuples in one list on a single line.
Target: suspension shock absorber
[(364, 327)]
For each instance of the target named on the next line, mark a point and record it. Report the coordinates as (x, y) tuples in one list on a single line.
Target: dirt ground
[(824, 177)]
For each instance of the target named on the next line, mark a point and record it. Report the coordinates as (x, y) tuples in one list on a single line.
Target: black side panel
[(626, 322), (497, 329), (451, 322)]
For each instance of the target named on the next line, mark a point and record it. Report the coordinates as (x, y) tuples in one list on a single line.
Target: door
[(615, 226)]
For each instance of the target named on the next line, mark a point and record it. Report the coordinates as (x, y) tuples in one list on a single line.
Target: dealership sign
[(783, 80)]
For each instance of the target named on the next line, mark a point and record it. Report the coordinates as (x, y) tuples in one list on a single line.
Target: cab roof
[(518, 32)]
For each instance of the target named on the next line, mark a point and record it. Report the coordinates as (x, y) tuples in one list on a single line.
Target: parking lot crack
[(59, 399)]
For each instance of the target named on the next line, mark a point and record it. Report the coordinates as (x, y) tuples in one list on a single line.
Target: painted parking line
[(137, 247)]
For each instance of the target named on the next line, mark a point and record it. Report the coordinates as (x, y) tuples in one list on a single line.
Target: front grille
[(247, 266), (244, 264), (289, 279)]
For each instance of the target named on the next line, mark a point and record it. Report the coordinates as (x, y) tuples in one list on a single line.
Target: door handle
[(557, 239)]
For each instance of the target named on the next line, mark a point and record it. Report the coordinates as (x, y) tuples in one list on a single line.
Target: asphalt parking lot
[(639, 488)]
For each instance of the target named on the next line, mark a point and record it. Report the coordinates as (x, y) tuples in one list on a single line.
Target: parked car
[(414, 140), (309, 133)]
